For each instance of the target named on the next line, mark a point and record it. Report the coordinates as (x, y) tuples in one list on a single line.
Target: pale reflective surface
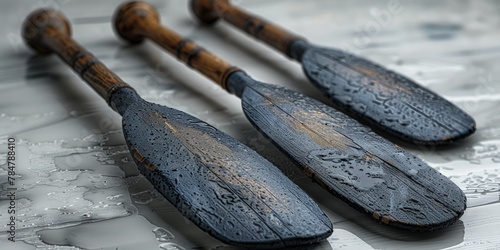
[(79, 188)]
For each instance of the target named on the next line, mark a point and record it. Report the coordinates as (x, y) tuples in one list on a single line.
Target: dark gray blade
[(368, 172), (389, 101), (222, 186)]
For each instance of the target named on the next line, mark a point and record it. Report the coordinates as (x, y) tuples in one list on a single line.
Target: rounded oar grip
[(209, 11), (49, 31), (41, 26), (135, 21)]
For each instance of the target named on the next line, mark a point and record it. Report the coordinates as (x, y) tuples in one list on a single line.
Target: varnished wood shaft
[(194, 56), (49, 31), (135, 21), (277, 37)]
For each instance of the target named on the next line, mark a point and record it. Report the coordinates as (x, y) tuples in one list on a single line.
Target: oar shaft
[(135, 26), (192, 55), (274, 35), (48, 31)]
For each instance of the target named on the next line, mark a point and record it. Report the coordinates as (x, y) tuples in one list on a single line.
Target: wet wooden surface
[(75, 167)]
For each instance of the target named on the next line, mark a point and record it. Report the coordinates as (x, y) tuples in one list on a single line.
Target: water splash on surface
[(162, 234), (170, 246), (62, 187), (145, 197)]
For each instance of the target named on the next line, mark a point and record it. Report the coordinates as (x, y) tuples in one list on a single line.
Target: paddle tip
[(203, 10), (41, 22), (132, 15)]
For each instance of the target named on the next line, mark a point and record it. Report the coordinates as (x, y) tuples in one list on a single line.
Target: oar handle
[(210, 11), (135, 21), (49, 31)]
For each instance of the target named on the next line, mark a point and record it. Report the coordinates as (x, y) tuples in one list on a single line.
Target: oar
[(222, 186), (367, 91), (352, 162)]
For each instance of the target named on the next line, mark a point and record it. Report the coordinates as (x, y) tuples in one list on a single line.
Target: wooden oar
[(222, 186), (368, 172), (367, 91)]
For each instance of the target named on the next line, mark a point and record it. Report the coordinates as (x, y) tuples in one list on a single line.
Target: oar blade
[(352, 162), (386, 100), (221, 185)]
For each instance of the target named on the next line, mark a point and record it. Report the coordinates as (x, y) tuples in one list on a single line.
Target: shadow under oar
[(254, 51), (149, 54), (68, 92)]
